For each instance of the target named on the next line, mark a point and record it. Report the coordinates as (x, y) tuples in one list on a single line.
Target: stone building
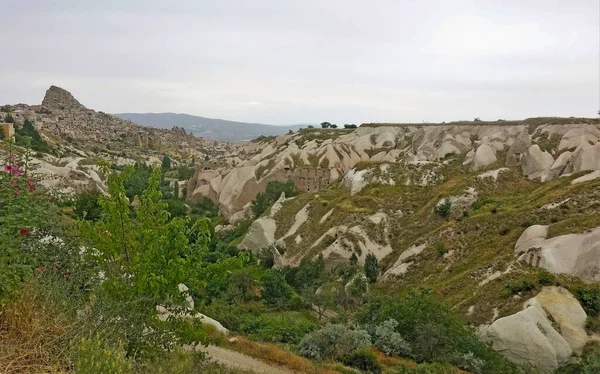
[(309, 179), (8, 130)]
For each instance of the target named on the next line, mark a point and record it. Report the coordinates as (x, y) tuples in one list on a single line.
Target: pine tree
[(372, 268)]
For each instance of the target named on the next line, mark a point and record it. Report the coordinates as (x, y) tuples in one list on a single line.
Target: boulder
[(260, 235), (484, 156), (537, 163), (528, 338)]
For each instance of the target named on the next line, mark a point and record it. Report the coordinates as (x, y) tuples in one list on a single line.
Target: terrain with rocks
[(523, 201)]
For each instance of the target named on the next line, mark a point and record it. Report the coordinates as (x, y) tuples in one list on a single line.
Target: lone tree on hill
[(166, 163), (372, 268), (325, 125), (334, 126)]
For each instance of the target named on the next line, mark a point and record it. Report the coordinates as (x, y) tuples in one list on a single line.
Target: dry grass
[(276, 355), (31, 336), (534, 122)]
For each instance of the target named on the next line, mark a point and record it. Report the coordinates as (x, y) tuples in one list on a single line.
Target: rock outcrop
[(530, 339), (57, 98), (562, 149), (573, 254)]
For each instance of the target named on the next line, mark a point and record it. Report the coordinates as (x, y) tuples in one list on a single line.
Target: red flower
[(31, 186), (39, 269), (68, 277), (23, 232), (7, 168)]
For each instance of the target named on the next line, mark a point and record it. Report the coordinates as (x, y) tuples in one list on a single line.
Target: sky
[(308, 61)]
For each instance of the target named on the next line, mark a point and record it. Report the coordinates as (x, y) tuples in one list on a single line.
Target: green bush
[(205, 207), (371, 267), (433, 331), (333, 342), (443, 209), (426, 369), (276, 292), (363, 360), (93, 357), (281, 327), (87, 205), (516, 287), (589, 297), (272, 193), (592, 325), (389, 341), (545, 278)]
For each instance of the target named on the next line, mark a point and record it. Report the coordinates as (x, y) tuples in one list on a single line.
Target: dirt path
[(241, 361)]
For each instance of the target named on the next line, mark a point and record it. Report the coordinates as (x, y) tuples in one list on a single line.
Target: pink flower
[(23, 232), (11, 157), (7, 168), (31, 186), (17, 193)]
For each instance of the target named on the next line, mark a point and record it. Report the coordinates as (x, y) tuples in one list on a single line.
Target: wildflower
[(8, 168), (23, 231), (11, 157), (39, 269), (31, 186), (107, 233), (17, 193), (67, 276)]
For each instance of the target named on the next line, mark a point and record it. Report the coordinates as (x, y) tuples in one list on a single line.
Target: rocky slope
[(544, 149), (523, 199)]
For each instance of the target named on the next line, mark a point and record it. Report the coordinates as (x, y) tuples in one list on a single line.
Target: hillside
[(210, 128), (502, 222)]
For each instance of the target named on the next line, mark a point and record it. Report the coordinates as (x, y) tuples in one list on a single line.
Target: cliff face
[(542, 152), (60, 99)]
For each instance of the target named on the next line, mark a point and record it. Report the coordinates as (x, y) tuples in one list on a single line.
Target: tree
[(272, 192), (477, 119), (325, 125), (310, 127), (176, 189), (26, 135), (276, 292), (444, 208), (334, 126), (348, 126), (166, 163), (9, 118), (87, 205), (353, 259), (372, 268)]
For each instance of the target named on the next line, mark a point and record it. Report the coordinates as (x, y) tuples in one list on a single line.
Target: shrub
[(589, 297), (87, 206), (426, 369), (440, 249), (443, 209), (591, 365), (92, 356), (333, 342), (389, 341), (545, 278), (276, 292), (272, 192), (516, 287), (281, 327), (592, 325), (205, 207), (372, 268), (363, 360)]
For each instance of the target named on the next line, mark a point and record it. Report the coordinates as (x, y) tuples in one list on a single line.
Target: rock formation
[(548, 153)]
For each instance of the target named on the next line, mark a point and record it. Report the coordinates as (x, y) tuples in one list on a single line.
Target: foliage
[(516, 287), (24, 214), (435, 368), (363, 360), (591, 365), (27, 136), (389, 341), (348, 126), (325, 125), (93, 357), (9, 118), (333, 342), (310, 274), (185, 173), (433, 332), (276, 292), (144, 257), (166, 163), (545, 278), (444, 208), (175, 208), (372, 268), (87, 206), (589, 297), (205, 207), (282, 327), (272, 193)]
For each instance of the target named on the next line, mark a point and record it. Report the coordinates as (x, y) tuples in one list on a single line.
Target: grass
[(481, 241)]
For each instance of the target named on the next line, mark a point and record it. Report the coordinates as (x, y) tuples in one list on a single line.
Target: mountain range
[(210, 128)]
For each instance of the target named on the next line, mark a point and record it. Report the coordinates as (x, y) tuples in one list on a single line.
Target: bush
[(87, 206), (426, 369), (205, 207), (363, 360), (281, 327), (176, 208), (440, 249), (271, 194), (592, 325), (591, 365), (443, 209), (545, 278), (372, 268), (389, 341), (589, 297), (516, 287), (276, 292), (93, 357), (333, 342), (432, 330)]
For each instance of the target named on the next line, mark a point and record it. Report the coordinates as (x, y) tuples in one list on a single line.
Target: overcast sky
[(307, 61)]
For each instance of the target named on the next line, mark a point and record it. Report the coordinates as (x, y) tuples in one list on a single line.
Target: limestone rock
[(573, 254), (57, 98), (537, 163), (484, 156), (527, 338), (261, 235)]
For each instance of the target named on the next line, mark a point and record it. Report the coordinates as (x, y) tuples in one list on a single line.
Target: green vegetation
[(273, 191), (87, 205), (27, 136), (371, 267)]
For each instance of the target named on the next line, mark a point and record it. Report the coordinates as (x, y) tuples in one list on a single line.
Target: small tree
[(87, 205), (372, 268), (444, 208), (276, 292), (166, 163), (334, 126), (9, 118), (325, 125), (353, 259)]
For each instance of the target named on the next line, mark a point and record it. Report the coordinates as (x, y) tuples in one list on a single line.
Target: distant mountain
[(209, 128)]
